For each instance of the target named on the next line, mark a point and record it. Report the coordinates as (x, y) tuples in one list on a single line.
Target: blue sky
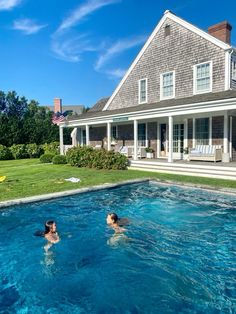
[(79, 49)]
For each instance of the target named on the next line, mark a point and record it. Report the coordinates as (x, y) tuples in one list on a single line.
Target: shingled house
[(179, 92)]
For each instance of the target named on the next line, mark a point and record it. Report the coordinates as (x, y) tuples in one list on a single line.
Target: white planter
[(185, 156), (149, 155)]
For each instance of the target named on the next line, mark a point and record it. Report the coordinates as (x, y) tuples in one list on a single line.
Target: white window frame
[(162, 97), (233, 70), (139, 91), (195, 91), (114, 126)]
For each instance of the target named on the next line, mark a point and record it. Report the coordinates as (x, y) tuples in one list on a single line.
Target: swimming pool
[(180, 257)]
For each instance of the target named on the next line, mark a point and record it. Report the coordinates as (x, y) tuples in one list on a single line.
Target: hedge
[(59, 160), (46, 158), (5, 153)]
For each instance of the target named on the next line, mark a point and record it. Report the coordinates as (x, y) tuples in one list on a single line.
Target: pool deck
[(50, 196)]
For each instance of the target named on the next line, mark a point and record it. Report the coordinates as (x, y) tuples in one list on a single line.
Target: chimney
[(57, 105), (222, 31)]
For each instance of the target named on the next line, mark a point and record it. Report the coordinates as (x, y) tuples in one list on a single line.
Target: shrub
[(5, 153), (100, 159), (19, 151), (51, 148), (34, 150), (59, 160), (46, 158), (149, 150)]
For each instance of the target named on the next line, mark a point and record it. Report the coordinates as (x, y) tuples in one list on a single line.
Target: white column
[(87, 134), (61, 140), (170, 154), (194, 132), (135, 139), (226, 142), (210, 131), (108, 135), (158, 140), (185, 133), (230, 136)]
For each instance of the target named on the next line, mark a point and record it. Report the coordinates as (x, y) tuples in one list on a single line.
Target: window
[(142, 134), (234, 70), (142, 91), (114, 132), (202, 131), (202, 78), (167, 85)]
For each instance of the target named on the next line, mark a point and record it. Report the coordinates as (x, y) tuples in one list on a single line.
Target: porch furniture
[(98, 146), (206, 153), (128, 151)]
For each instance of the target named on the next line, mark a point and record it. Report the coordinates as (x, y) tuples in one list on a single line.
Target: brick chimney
[(222, 31), (57, 105)]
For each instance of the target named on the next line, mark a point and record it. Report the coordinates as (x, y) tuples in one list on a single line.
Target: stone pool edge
[(49, 196)]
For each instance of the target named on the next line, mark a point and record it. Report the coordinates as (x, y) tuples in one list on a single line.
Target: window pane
[(202, 131), (168, 85), (142, 134), (203, 77), (143, 91)]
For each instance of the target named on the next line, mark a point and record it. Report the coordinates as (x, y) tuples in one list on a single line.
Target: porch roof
[(164, 104)]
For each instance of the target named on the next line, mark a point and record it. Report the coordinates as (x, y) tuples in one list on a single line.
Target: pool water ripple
[(178, 257)]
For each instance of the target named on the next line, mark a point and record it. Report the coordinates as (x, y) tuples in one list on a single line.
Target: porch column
[(185, 133), (226, 125), (230, 136), (87, 134), (194, 132), (158, 140), (61, 140), (210, 131), (108, 135), (170, 154), (135, 140)]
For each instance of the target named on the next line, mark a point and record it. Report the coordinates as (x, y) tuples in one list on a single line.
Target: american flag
[(57, 118)]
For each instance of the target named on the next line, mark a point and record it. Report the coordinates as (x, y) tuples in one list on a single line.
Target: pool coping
[(50, 196)]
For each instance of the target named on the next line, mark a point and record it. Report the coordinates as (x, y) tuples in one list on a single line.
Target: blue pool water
[(180, 256)]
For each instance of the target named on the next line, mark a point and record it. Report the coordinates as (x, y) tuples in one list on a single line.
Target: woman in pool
[(50, 232), (117, 223)]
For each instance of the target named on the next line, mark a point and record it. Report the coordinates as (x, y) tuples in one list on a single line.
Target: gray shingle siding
[(179, 51), (233, 82)]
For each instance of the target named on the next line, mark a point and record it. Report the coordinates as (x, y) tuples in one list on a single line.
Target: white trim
[(195, 92), (226, 129), (139, 91), (227, 69), (61, 140), (180, 21), (170, 141), (87, 134), (231, 67), (231, 137), (161, 85), (108, 136), (135, 140)]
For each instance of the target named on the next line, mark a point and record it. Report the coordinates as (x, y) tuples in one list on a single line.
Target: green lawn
[(29, 177)]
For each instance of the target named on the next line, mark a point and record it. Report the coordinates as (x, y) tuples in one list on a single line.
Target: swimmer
[(116, 223), (50, 232)]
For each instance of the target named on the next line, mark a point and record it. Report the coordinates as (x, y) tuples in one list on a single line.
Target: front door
[(178, 141)]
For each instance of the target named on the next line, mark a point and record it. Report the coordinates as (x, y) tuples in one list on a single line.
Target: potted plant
[(149, 152), (186, 152)]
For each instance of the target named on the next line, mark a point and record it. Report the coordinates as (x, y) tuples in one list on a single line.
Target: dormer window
[(168, 85), (143, 91), (234, 69), (202, 80)]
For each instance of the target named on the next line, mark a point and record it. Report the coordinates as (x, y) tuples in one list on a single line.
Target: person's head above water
[(112, 218), (50, 226)]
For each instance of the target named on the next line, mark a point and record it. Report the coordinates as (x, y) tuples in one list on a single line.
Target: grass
[(29, 177)]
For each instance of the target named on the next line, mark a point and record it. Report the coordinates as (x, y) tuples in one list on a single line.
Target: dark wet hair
[(114, 217), (48, 226)]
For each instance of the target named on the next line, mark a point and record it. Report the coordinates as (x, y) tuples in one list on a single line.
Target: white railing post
[(87, 134), (135, 139), (170, 154), (61, 140), (108, 135)]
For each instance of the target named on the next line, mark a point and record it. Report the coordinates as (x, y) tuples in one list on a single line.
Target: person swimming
[(50, 232), (116, 223)]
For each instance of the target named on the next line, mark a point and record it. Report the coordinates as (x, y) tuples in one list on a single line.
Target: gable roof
[(100, 104), (168, 15)]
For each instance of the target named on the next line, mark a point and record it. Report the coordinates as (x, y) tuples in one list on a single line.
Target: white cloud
[(118, 48), (116, 73), (9, 4), (82, 11), (70, 49), (27, 26)]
